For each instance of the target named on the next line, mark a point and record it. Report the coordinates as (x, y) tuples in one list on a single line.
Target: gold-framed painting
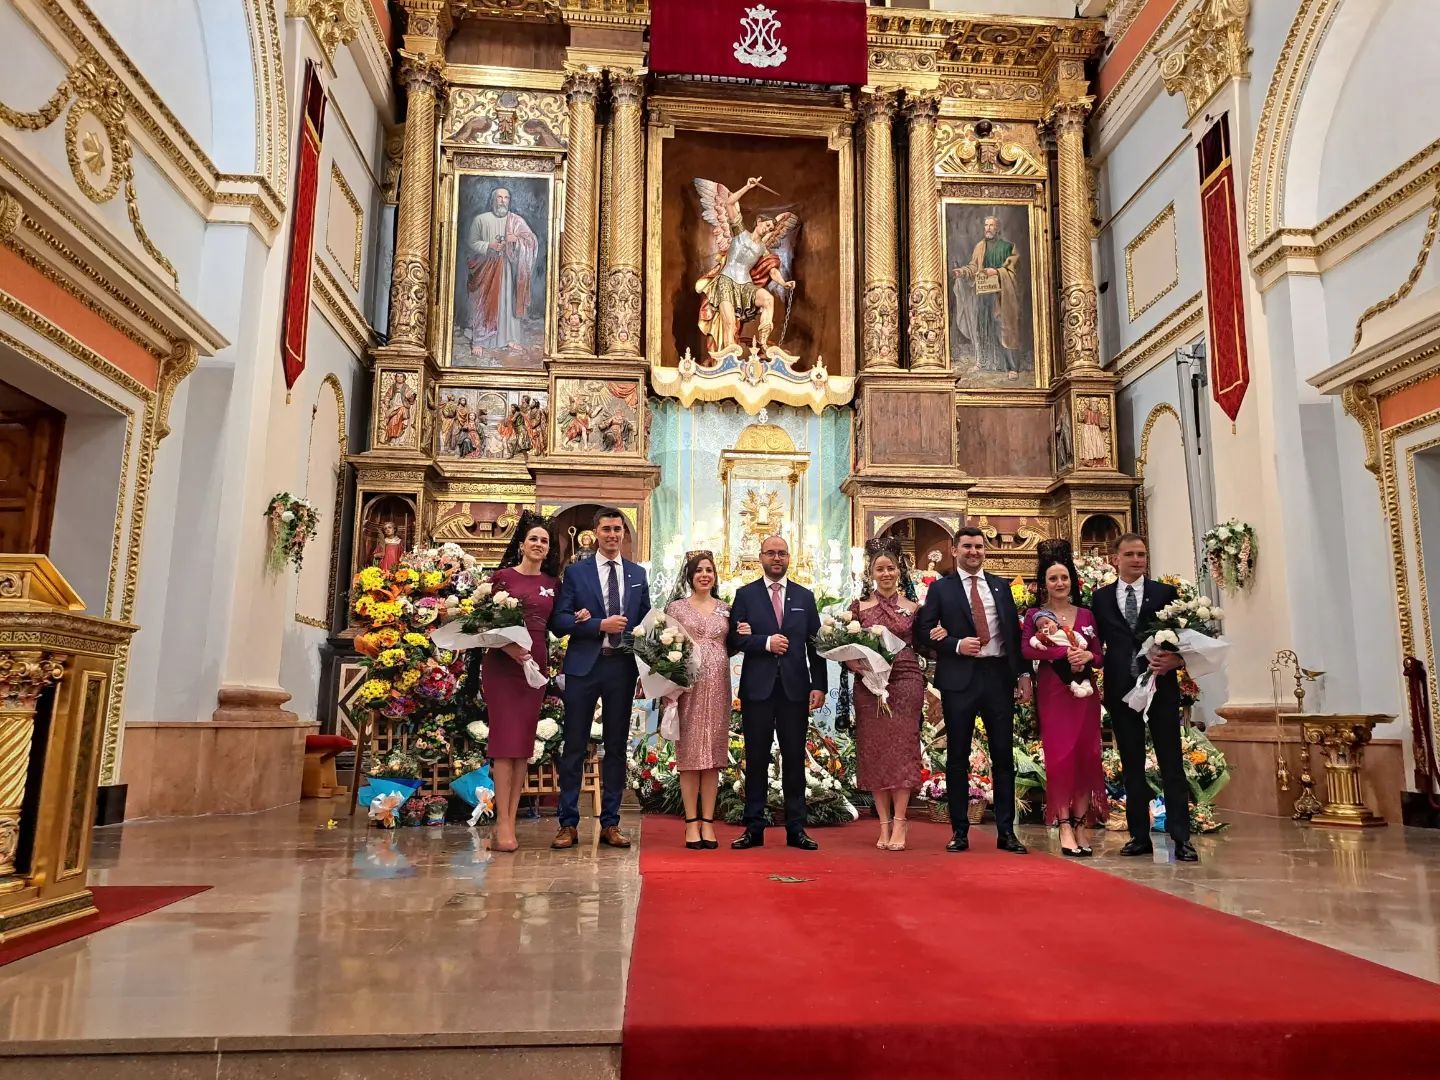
[(499, 257), (750, 240), (997, 274)]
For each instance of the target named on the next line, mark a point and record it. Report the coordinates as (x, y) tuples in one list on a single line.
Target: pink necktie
[(775, 603)]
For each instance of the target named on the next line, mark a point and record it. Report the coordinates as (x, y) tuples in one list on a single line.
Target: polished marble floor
[(348, 937)]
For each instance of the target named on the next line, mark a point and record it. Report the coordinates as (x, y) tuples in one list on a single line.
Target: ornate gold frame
[(352, 273), (549, 165), (970, 193), (833, 123)]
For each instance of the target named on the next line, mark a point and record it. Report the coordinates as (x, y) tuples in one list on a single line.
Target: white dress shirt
[(1121, 588), (602, 564), (996, 645), (784, 584)]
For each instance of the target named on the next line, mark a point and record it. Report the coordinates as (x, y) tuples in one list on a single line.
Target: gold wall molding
[(97, 142), (337, 183), (1366, 412), (1210, 51), (1006, 149), (334, 22), (1264, 207), (1172, 330), (341, 312), (505, 117), (1162, 409), (1139, 67), (182, 360), (1427, 241), (1166, 216)]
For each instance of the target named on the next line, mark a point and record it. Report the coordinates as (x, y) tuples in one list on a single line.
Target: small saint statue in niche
[(389, 547)]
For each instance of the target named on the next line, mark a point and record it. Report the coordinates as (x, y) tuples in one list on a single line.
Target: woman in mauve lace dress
[(887, 740), (704, 745)]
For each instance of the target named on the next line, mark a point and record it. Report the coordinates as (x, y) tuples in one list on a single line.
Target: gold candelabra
[(1306, 804)]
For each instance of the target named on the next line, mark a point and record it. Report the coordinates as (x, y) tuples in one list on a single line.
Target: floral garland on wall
[(292, 524), (1230, 553)]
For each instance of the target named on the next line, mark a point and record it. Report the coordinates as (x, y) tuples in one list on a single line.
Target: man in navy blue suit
[(773, 621), (600, 600)]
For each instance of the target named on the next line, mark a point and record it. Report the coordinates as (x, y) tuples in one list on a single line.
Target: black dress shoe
[(1137, 847), (958, 842), (1011, 843), (802, 841), (748, 839), (1185, 852)]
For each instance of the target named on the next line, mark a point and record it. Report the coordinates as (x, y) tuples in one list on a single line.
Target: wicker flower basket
[(976, 811), (939, 812)]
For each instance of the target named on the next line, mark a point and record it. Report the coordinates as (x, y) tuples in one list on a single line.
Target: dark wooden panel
[(1004, 441), (907, 428), (508, 44)]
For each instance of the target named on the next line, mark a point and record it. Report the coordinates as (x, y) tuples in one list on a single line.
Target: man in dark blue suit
[(601, 598), (773, 621), (970, 623)]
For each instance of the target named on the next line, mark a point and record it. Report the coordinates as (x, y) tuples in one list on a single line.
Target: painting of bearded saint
[(991, 324), (748, 287), (500, 300)]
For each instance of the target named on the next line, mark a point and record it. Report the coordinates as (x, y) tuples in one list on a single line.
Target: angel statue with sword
[(748, 271)]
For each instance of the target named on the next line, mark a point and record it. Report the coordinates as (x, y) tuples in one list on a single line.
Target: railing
[(1427, 770)]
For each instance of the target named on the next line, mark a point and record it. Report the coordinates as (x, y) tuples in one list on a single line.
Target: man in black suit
[(970, 624), (1122, 611), (773, 621)]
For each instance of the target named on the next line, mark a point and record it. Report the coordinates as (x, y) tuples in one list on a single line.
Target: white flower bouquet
[(489, 618), (665, 656), (1190, 628), (873, 648), (1230, 551)]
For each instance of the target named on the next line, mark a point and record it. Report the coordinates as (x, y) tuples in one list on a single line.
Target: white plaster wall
[(321, 483), (1371, 274), (1167, 498), (31, 71)]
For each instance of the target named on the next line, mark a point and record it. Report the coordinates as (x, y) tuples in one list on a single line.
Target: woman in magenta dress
[(704, 745), (1069, 722), (529, 571), (887, 743)]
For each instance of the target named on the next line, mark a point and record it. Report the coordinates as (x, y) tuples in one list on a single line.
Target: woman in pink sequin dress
[(704, 745), (887, 743)]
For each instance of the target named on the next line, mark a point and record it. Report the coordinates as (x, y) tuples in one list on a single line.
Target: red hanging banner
[(805, 41), (296, 320), (1224, 286)]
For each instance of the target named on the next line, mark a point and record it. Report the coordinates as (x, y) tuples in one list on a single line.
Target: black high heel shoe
[(1085, 851), (1075, 852), (708, 845), (694, 845)]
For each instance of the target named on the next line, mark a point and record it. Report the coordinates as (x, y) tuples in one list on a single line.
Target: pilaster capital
[(879, 106), (627, 88), (420, 71), (922, 110), (1069, 113), (24, 675), (1210, 51)]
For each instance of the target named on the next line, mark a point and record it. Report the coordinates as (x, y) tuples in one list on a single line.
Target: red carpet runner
[(114, 904), (983, 965)]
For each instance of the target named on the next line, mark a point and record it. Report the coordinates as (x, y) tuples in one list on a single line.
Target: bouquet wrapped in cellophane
[(873, 648), (1188, 627), (489, 618), (665, 656)]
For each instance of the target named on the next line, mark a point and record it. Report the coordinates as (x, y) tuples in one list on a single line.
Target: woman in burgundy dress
[(529, 571), (1069, 722), (887, 743)]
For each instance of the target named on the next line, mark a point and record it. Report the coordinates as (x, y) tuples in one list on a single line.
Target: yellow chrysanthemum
[(386, 611), (391, 658), (418, 640), (372, 577), (364, 606), (467, 606), (374, 690), (387, 638), (404, 575), (431, 579), (407, 679)]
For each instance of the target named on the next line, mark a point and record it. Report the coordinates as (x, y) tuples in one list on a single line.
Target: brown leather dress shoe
[(611, 836), (567, 837)]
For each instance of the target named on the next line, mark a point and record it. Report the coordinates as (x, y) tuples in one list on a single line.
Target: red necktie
[(977, 611), (775, 603)]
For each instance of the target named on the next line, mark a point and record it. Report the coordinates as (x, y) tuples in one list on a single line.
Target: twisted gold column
[(927, 264), (880, 299), (24, 675), (576, 301), (621, 290), (1079, 334), (424, 79)]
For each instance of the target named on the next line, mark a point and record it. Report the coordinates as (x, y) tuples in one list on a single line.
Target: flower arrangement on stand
[(1230, 553), (292, 524)]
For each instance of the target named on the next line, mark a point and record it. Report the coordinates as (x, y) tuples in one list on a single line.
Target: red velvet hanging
[(809, 41), (302, 229), (1225, 288)]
